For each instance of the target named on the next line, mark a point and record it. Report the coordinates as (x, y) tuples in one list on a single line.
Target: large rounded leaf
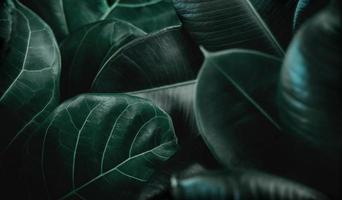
[(29, 73), (149, 15), (223, 24), (81, 62), (99, 147), (223, 185), (65, 16), (310, 95), (161, 58)]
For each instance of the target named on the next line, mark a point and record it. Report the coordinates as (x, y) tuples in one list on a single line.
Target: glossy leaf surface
[(86, 50), (158, 59), (224, 24), (223, 185), (99, 146), (310, 98), (234, 105)]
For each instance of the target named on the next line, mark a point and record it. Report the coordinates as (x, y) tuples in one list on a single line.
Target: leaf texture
[(158, 59), (30, 69), (99, 145), (86, 50), (224, 24)]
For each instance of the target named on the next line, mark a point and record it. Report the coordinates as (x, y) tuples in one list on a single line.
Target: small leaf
[(80, 60), (161, 58), (149, 15), (248, 184), (99, 146)]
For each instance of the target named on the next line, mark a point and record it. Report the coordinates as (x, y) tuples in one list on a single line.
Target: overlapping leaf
[(165, 57), (99, 146), (224, 24), (86, 50)]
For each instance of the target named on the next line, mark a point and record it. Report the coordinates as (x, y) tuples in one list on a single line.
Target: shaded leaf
[(310, 98), (223, 24), (236, 111), (86, 50), (149, 15), (65, 16), (30, 69), (99, 146), (158, 59), (224, 185)]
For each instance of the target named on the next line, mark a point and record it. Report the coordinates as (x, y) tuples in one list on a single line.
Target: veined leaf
[(223, 24), (86, 50), (149, 15), (234, 105), (99, 146), (29, 73), (247, 184), (177, 100), (237, 115), (65, 16), (158, 59)]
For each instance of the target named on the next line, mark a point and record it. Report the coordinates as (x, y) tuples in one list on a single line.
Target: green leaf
[(247, 184), (99, 146), (29, 74), (237, 115), (224, 24), (310, 98), (65, 16), (80, 61), (161, 58), (235, 94), (149, 15)]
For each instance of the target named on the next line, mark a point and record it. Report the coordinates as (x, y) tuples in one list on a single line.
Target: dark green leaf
[(99, 146), (310, 91), (86, 50), (235, 102), (29, 74), (225, 185), (236, 111), (223, 24), (65, 16), (161, 58), (149, 15)]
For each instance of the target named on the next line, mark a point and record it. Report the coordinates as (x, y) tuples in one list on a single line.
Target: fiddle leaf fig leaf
[(149, 15), (65, 16), (165, 57), (79, 57), (99, 146), (224, 24), (29, 73)]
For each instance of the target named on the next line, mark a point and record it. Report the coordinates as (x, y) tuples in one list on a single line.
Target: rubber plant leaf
[(246, 184), (99, 146), (224, 24)]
